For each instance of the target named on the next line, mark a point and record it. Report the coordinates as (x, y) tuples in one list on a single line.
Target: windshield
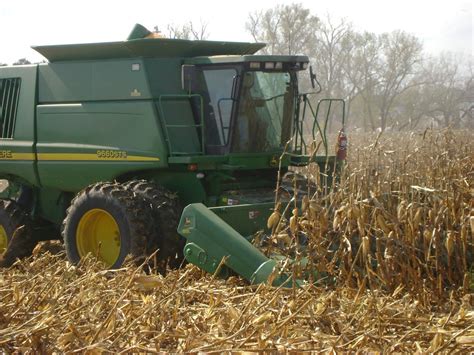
[(258, 120), (264, 114)]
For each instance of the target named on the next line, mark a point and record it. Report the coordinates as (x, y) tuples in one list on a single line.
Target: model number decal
[(111, 154), (6, 154)]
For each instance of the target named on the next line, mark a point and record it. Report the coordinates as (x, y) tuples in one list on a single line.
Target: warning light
[(192, 167)]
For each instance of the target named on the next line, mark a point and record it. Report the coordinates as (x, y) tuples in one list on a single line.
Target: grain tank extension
[(103, 146)]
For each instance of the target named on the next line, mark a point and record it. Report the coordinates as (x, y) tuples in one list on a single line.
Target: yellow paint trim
[(9, 156), (91, 157), (17, 156)]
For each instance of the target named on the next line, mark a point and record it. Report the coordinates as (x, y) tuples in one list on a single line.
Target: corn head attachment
[(216, 247)]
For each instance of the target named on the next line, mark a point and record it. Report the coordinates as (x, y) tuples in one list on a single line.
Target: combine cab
[(104, 144)]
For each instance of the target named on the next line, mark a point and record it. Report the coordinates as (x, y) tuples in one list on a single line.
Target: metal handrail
[(166, 125), (299, 125), (316, 123)]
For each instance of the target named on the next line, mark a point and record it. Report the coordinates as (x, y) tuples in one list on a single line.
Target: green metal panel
[(164, 76), (79, 144), (173, 106), (201, 226), (17, 154), (146, 47), (93, 81), (246, 219), (138, 32), (268, 160), (212, 160), (185, 183), (178, 122), (51, 204), (211, 241)]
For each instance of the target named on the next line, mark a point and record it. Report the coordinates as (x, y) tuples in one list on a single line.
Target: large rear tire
[(19, 234), (109, 222), (166, 211)]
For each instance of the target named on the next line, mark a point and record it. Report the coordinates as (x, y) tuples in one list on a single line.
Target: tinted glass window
[(219, 84), (265, 112)]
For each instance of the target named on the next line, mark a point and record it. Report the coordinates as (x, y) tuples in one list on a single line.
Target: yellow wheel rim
[(3, 239), (98, 234)]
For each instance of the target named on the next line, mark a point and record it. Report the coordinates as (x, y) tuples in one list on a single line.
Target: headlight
[(269, 65)]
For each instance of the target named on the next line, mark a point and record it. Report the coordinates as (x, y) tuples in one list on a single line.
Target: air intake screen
[(9, 96)]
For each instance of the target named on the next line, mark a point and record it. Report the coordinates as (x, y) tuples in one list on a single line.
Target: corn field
[(389, 252)]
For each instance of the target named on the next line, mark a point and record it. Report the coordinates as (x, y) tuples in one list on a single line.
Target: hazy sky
[(442, 25)]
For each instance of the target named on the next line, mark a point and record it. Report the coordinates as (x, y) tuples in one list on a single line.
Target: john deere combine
[(103, 144)]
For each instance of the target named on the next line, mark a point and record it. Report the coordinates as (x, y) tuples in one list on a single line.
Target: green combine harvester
[(104, 144)]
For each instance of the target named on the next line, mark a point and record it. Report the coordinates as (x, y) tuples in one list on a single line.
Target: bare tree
[(188, 31), (451, 90), (22, 61), (199, 33), (264, 27), (330, 52), (288, 29), (401, 55), (386, 80), (361, 70), (381, 68)]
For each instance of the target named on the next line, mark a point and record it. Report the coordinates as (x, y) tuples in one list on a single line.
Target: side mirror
[(314, 80), (312, 77)]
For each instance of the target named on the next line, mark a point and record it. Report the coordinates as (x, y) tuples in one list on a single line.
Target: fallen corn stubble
[(48, 305)]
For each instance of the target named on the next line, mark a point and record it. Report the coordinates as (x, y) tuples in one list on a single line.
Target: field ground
[(393, 245)]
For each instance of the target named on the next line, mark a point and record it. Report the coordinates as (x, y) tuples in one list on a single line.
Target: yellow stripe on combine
[(9, 155), (92, 157)]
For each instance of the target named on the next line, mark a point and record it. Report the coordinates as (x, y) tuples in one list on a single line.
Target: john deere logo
[(135, 93), (274, 161)]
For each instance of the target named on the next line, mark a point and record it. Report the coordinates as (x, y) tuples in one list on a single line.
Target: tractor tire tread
[(133, 207), (166, 210), (20, 243)]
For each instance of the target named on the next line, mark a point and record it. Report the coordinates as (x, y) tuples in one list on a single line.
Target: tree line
[(387, 80)]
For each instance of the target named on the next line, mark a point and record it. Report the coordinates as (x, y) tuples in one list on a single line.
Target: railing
[(167, 126), (300, 144)]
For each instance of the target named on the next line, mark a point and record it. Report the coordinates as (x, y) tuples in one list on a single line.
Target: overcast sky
[(441, 24)]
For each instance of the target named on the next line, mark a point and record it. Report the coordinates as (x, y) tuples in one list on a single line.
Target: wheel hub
[(98, 233), (3, 239)]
